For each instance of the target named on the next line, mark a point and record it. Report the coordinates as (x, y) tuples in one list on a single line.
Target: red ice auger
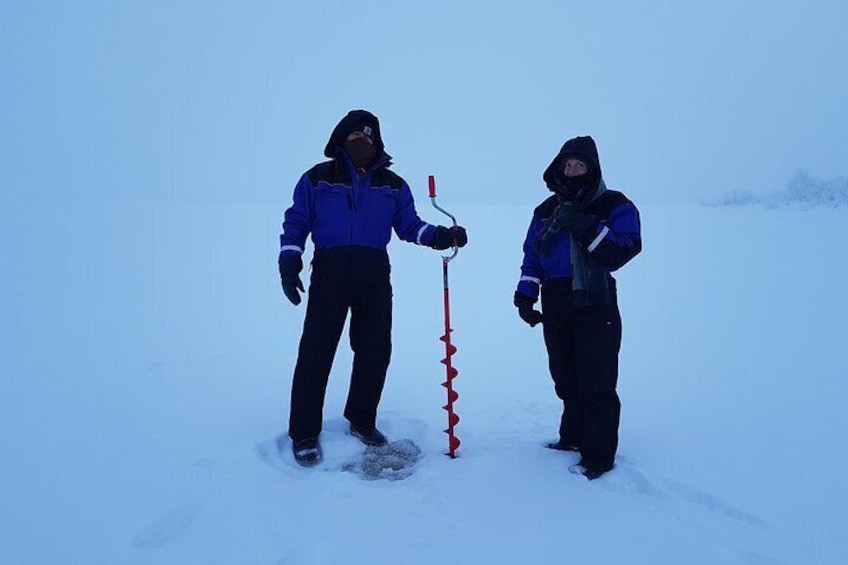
[(453, 419)]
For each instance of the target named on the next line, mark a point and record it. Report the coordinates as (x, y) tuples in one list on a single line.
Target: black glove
[(582, 224), (449, 237), (572, 217), (290, 267), (525, 309), (567, 214), (576, 220)]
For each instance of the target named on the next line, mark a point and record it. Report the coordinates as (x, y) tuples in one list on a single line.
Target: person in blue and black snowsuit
[(349, 205), (577, 237)]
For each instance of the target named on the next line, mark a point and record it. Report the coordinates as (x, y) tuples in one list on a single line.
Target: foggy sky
[(232, 101)]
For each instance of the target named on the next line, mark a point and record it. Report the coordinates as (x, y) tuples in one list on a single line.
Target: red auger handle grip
[(432, 180)]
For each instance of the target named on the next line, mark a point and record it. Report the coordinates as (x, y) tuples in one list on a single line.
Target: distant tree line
[(802, 188)]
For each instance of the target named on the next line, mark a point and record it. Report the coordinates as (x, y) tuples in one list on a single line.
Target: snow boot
[(562, 446), (591, 472), (369, 436), (307, 452)]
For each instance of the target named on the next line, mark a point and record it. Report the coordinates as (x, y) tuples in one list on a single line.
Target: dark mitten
[(572, 217), (567, 214), (582, 224), (290, 267), (449, 237), (525, 309), (563, 217)]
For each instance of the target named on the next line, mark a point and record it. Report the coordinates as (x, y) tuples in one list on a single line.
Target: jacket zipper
[(351, 201)]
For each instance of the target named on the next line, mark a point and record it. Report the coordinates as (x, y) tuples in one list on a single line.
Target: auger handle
[(432, 183)]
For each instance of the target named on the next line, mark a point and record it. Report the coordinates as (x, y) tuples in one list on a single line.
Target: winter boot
[(369, 436), (591, 472), (307, 452), (562, 446)]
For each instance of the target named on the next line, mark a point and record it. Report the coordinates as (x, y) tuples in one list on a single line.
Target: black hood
[(354, 121), (583, 148)]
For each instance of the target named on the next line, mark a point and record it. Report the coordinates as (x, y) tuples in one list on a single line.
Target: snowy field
[(148, 351)]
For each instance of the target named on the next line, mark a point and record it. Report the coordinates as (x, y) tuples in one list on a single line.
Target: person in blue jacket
[(577, 237), (349, 205)]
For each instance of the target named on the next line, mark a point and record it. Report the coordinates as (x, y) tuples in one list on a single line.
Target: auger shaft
[(450, 370)]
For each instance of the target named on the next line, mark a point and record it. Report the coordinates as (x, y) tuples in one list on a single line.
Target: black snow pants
[(583, 346), (343, 278)]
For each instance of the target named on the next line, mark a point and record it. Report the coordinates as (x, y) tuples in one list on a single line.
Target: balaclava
[(361, 149), (573, 188)]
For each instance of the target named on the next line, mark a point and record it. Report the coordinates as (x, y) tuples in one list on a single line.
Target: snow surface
[(148, 352)]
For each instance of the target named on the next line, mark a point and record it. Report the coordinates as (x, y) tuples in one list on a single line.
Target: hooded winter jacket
[(612, 232), (342, 206)]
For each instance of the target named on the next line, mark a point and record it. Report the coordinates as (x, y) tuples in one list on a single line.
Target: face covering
[(361, 151), (573, 185), (580, 189)]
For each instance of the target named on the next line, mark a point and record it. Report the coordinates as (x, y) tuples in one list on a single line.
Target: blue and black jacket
[(612, 238), (340, 205)]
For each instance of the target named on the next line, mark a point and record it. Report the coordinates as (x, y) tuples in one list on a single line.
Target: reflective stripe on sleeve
[(597, 241)]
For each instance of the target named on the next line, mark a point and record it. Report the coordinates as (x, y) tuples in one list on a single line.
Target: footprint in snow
[(628, 478), (169, 527)]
